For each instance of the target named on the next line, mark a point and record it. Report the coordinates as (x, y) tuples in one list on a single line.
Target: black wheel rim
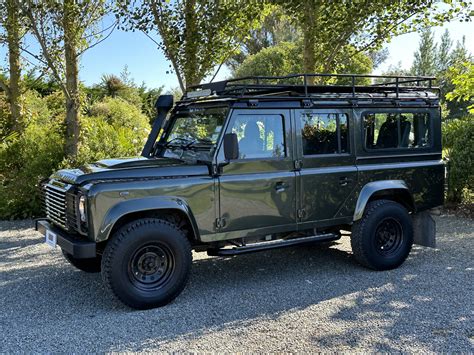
[(151, 266), (388, 236)]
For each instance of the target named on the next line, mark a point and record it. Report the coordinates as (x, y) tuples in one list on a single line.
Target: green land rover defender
[(252, 164)]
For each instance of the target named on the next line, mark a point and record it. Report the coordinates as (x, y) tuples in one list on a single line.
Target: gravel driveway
[(311, 298)]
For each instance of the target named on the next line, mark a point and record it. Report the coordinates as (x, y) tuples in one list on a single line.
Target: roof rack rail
[(317, 85)]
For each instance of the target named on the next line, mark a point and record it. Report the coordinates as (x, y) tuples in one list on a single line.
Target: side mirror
[(231, 146)]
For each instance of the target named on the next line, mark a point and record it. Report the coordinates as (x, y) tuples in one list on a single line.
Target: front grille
[(71, 204), (55, 202)]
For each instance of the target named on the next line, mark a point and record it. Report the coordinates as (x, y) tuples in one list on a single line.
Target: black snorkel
[(163, 104)]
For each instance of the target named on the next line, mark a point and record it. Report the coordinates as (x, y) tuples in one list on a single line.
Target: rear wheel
[(383, 237), (87, 265), (147, 263)]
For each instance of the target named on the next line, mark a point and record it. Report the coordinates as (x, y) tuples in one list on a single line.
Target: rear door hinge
[(298, 164), (307, 103), (220, 223), (300, 213)]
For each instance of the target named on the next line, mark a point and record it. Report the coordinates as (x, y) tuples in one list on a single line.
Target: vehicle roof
[(296, 90)]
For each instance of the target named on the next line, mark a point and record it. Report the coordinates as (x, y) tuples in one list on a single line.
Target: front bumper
[(78, 248)]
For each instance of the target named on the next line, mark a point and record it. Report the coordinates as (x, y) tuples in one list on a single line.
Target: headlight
[(82, 209)]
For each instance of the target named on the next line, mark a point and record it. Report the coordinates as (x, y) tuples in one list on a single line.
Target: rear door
[(328, 172), (257, 192)]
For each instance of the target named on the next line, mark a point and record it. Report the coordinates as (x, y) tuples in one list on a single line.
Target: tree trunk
[(191, 69), (13, 39), (72, 81), (309, 45)]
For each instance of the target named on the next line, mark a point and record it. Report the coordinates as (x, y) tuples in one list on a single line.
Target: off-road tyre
[(90, 265), (146, 263), (383, 237)]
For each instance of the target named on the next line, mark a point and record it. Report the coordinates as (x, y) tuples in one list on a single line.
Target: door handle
[(281, 186), (344, 181)]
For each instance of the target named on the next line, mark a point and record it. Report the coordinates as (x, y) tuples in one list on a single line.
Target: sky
[(401, 48), (147, 64)]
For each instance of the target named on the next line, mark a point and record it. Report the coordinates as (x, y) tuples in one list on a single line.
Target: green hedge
[(458, 145)]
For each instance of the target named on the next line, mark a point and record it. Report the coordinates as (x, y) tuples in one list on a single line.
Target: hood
[(130, 168)]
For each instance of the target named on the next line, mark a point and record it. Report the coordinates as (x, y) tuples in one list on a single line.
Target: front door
[(257, 190), (328, 172)]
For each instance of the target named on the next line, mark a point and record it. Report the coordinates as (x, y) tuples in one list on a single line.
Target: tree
[(397, 70), (459, 57), (443, 61), (425, 59), (329, 26), (286, 58), (112, 85), (281, 59), (196, 35), (393, 70), (11, 21), (463, 81), (275, 28), (378, 56), (460, 53), (64, 30)]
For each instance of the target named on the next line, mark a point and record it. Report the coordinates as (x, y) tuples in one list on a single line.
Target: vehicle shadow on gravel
[(234, 293)]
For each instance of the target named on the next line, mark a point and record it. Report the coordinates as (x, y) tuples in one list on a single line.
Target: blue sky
[(402, 47), (147, 64)]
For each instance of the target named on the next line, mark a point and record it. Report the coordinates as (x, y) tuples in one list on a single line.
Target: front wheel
[(147, 263), (383, 237)]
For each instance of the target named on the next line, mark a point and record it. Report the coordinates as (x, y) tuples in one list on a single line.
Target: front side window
[(397, 130), (259, 136), (324, 133)]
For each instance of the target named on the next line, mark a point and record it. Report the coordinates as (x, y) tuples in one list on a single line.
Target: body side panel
[(194, 196), (421, 170)]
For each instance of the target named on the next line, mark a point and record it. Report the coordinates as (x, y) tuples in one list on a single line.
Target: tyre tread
[(119, 238), (359, 228)]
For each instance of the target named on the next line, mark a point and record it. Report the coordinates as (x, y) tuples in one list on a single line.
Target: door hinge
[(300, 213), (298, 164), (307, 103), (220, 223)]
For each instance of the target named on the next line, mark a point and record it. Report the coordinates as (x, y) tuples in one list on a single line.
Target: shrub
[(28, 158), (117, 129), (458, 140), (120, 113)]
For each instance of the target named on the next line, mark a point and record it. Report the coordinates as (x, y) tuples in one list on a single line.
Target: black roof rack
[(327, 86)]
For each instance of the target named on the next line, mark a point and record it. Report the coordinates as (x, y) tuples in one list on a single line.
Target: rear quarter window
[(397, 130)]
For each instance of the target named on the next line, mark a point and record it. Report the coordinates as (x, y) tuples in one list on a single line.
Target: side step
[(274, 244)]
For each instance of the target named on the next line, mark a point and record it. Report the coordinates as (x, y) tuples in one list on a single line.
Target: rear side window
[(387, 130), (324, 133)]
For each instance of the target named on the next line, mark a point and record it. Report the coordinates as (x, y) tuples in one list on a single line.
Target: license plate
[(51, 238)]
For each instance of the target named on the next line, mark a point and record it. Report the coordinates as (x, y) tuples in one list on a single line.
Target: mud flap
[(424, 229)]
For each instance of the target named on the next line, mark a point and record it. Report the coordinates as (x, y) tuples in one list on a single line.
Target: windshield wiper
[(175, 140), (185, 143), (205, 141)]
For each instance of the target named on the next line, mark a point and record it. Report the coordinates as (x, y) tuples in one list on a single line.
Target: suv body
[(252, 164)]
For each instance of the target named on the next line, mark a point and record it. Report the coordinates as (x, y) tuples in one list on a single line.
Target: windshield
[(193, 133)]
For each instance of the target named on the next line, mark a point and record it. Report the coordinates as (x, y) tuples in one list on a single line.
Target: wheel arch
[(130, 210), (395, 190)]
